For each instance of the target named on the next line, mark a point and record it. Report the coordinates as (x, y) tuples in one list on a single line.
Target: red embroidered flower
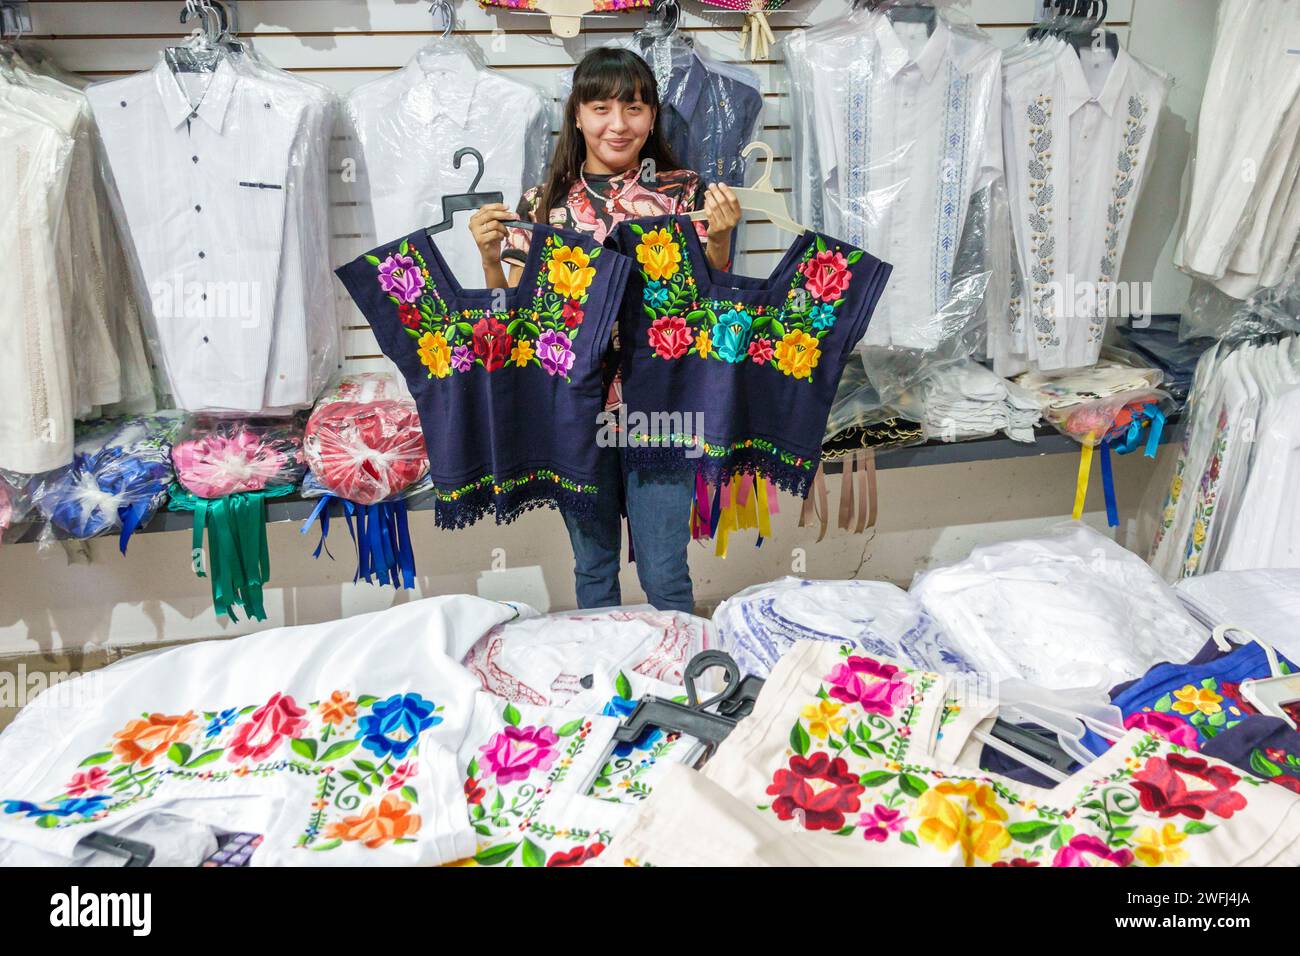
[(577, 856), (572, 314), (409, 315), (1275, 755), (820, 789), (1018, 861), (1286, 780), (827, 274), (1232, 695), (1161, 787), (491, 343), (669, 336), (760, 350), (279, 718), (473, 792)]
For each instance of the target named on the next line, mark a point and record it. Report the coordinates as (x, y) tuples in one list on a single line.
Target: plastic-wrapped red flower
[(1161, 787), (669, 336), (820, 789), (827, 275)]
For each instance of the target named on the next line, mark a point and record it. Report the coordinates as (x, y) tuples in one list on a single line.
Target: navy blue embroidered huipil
[(726, 374), (507, 381)]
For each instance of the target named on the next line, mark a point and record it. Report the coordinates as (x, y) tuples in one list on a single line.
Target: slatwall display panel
[(343, 43)]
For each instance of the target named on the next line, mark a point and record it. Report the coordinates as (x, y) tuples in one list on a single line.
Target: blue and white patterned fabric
[(761, 623), (904, 129)]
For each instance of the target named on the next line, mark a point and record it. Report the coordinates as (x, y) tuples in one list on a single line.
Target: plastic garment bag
[(228, 228), (406, 128), (895, 131), (1267, 530)]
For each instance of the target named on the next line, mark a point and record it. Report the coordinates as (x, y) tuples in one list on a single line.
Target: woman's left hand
[(723, 209)]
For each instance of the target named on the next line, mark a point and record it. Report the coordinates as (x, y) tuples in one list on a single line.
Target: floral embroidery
[(819, 788), (1207, 495), (1162, 787), (1161, 847), (622, 778), (1085, 850), (538, 333), (869, 684), (355, 800), (516, 752), (1277, 765), (1126, 168), (1042, 244), (974, 821), (510, 484), (785, 337)]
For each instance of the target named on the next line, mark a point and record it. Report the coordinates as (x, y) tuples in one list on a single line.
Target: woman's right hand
[(485, 226)]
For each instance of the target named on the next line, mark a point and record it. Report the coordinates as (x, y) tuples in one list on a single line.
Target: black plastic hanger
[(692, 718), (471, 200)]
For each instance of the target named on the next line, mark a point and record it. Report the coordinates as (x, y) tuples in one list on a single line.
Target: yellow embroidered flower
[(570, 272), (435, 353), (797, 354), (1198, 534), (973, 821), (1161, 847), (1176, 489), (703, 344), (522, 353), (823, 720), (893, 766), (658, 254), (1192, 698)]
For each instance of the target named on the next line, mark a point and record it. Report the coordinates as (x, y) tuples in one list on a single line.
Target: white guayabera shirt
[(1080, 129), (35, 377), (907, 128), (201, 162)]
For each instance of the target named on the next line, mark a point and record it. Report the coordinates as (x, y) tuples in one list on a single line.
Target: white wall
[(928, 515)]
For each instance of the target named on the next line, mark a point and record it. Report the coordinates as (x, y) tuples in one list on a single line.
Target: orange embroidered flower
[(390, 819), (570, 272), (337, 708), (144, 739)]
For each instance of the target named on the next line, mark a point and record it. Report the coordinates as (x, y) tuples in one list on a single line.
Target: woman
[(612, 163)]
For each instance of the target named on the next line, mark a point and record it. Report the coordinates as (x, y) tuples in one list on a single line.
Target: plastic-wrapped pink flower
[(231, 460)]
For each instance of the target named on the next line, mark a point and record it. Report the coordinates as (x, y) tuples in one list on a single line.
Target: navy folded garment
[(1264, 746)]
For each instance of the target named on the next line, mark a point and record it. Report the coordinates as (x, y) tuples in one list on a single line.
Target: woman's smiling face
[(614, 132)]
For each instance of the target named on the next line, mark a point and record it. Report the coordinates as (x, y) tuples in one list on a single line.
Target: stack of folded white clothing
[(1265, 602), (968, 401)]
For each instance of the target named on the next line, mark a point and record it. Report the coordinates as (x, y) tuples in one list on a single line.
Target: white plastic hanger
[(761, 197)]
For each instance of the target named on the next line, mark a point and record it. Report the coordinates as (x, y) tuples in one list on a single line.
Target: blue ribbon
[(382, 536), (132, 517), (1108, 486), (322, 512)]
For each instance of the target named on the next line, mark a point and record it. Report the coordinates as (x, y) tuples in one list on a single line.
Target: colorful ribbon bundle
[(739, 504), (226, 469), (381, 533), (1139, 423)]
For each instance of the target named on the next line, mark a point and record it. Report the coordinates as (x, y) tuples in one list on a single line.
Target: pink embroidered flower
[(1082, 846), (669, 336), (96, 778), (870, 684), (827, 274), (555, 352), (877, 824), (399, 277), (275, 721), (516, 752), (760, 351), (404, 772), (1164, 725)]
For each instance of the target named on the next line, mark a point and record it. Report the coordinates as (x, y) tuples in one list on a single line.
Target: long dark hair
[(606, 73)]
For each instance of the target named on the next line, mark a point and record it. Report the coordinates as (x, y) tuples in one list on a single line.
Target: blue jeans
[(658, 514)]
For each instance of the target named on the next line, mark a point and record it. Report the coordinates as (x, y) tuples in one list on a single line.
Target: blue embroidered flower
[(81, 806), (220, 722), (822, 316), (621, 707), (656, 296), (393, 727), (731, 335)]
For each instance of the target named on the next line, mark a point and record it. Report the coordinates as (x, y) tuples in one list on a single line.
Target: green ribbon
[(239, 559)]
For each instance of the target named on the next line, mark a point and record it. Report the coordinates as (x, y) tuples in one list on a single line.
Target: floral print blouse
[(507, 381)]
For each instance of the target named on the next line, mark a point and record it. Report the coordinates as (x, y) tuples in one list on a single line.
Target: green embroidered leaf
[(595, 253), (340, 749), (410, 794), (403, 248), (635, 228), (799, 739), (365, 788), (482, 829), (102, 757), (511, 715), (571, 727), (1262, 766), (860, 750), (495, 854), (695, 315), (1209, 683), (1219, 719), (1164, 704), (478, 813), (377, 780), (465, 329), (413, 333), (876, 778), (778, 329), (623, 686), (498, 802), (835, 744), (351, 775), (650, 313), (601, 783), (875, 747), (472, 770), (304, 747), (908, 837), (365, 700), (821, 244), (328, 846), (179, 753), (1121, 835), (533, 854), (1062, 836), (854, 256), (47, 821), (1198, 718), (844, 831), (912, 786), (205, 758), (1030, 831), (373, 260), (365, 766), (1196, 826), (848, 735)]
